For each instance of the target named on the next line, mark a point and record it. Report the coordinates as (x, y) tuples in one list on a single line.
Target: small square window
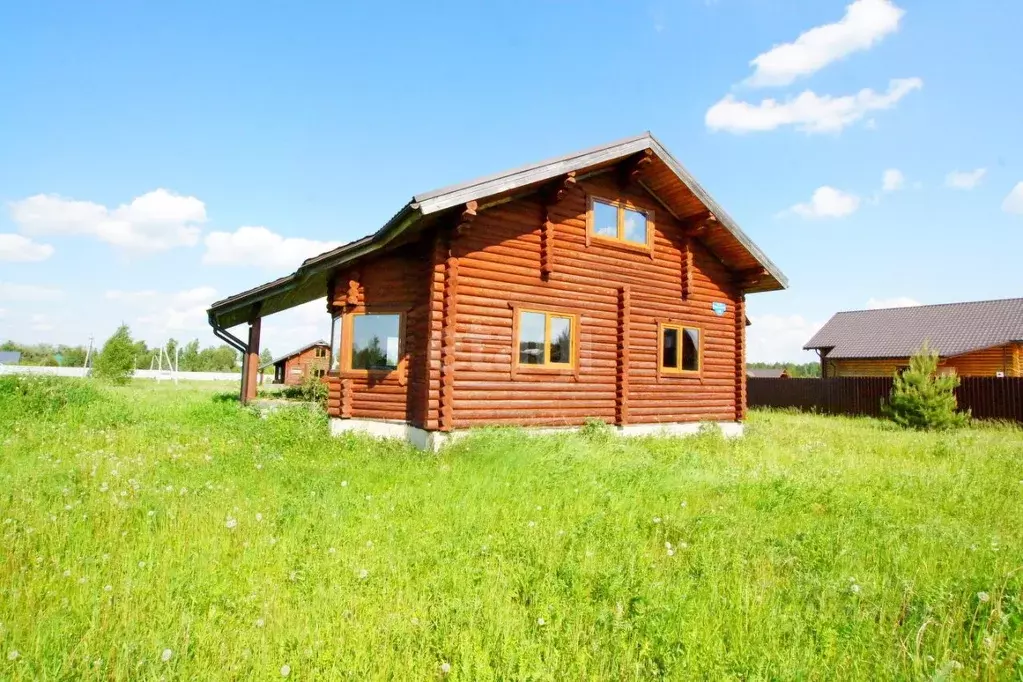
[(545, 339), (679, 349)]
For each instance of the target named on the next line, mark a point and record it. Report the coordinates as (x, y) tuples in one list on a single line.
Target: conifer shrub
[(923, 399)]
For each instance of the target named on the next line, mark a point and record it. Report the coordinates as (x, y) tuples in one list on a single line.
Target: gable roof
[(666, 179), (295, 352), (950, 328)]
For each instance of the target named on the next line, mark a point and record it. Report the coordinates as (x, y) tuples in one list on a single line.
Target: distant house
[(293, 368), (983, 338), (780, 373), (10, 357)]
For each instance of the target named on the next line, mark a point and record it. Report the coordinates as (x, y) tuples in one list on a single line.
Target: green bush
[(116, 362), (313, 389), (44, 394), (920, 399)]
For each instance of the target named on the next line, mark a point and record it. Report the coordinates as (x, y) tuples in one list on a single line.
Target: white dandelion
[(671, 552), (260, 622), (13, 655), (531, 524), (363, 574), (259, 467), (331, 551), (231, 522), (67, 573), (541, 622), (667, 545), (854, 588), (344, 484), (445, 668), (285, 670), (683, 504), (142, 564), (166, 655), (657, 519), (107, 588), (259, 516), (983, 597)]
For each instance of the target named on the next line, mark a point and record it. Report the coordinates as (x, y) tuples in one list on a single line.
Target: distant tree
[(189, 359), (116, 361), (921, 399), (795, 370), (72, 356), (265, 358)]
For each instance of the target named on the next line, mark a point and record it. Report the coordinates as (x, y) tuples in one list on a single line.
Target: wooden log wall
[(398, 279), (984, 363), (500, 261), (305, 363)]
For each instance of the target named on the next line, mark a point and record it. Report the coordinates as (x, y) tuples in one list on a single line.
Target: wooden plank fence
[(985, 397)]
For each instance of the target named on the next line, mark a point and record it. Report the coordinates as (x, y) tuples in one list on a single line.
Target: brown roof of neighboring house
[(950, 329), (295, 352), (309, 281)]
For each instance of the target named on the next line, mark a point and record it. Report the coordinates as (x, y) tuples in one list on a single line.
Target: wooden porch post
[(250, 365)]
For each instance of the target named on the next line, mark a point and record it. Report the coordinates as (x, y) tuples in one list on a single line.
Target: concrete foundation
[(435, 440)]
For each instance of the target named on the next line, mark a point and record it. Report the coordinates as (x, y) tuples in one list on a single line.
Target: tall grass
[(159, 523)]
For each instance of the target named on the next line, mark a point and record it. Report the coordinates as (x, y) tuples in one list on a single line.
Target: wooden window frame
[(619, 240), (347, 327), (572, 368), (681, 327)]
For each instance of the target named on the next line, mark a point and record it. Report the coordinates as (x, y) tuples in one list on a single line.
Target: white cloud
[(15, 248), (892, 180), (894, 302), (827, 202), (129, 296), (155, 221), (965, 179), (3, 313), (865, 23), (28, 293), (780, 338), (1014, 201), (260, 247), (807, 112), (177, 313), (41, 323)]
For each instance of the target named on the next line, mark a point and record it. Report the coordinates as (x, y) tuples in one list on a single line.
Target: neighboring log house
[(606, 284), (981, 339), (293, 368)]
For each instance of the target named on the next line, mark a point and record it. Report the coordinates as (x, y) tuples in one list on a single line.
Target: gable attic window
[(679, 349), (545, 340), (620, 222)]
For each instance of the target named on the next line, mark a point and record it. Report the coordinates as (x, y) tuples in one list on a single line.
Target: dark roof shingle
[(950, 328)]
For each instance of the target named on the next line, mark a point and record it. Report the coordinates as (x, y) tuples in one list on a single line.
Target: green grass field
[(162, 532)]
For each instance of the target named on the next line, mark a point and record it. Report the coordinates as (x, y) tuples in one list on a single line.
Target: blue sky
[(156, 157)]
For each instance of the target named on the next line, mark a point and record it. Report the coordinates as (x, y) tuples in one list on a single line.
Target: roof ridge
[(931, 305)]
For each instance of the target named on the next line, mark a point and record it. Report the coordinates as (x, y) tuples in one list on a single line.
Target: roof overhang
[(670, 183)]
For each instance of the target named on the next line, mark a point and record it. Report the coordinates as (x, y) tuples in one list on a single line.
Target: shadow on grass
[(225, 397)]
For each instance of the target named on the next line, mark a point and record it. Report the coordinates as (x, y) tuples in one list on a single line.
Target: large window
[(545, 339), (680, 349), (373, 341), (620, 222)]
